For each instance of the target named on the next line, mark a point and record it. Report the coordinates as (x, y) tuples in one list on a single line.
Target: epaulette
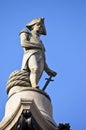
[(24, 31)]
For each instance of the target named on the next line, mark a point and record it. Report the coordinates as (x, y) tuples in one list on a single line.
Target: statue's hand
[(51, 73)]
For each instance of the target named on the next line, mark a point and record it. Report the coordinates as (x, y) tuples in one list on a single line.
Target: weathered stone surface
[(37, 101), (34, 59), (22, 86)]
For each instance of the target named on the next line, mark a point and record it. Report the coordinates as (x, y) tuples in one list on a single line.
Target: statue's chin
[(41, 33)]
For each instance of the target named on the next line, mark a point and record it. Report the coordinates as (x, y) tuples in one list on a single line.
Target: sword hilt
[(47, 82), (49, 79)]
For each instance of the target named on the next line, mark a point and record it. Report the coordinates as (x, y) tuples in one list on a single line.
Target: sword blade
[(47, 82)]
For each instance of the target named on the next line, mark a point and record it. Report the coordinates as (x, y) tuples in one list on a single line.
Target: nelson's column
[(28, 107)]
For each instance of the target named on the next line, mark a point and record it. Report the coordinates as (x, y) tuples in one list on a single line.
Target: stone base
[(35, 100)]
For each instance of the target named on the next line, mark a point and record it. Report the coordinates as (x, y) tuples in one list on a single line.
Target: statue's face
[(39, 28)]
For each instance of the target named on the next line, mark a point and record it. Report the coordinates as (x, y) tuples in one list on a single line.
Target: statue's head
[(37, 24)]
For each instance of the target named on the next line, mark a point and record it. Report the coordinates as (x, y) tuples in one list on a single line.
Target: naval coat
[(32, 45)]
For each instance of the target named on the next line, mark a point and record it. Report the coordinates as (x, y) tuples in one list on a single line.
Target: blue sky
[(65, 45)]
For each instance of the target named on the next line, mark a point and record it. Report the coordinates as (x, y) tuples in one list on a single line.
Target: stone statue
[(29, 108), (34, 59)]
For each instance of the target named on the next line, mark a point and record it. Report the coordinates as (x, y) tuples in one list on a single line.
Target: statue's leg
[(36, 67), (40, 68), (33, 67)]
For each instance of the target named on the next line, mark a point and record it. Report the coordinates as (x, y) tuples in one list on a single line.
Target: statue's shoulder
[(24, 31)]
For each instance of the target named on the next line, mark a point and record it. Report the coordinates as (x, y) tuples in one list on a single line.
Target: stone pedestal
[(35, 100)]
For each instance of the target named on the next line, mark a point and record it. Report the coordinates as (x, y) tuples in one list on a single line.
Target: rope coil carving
[(18, 78)]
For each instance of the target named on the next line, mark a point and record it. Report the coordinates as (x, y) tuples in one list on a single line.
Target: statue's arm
[(49, 71), (25, 43)]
